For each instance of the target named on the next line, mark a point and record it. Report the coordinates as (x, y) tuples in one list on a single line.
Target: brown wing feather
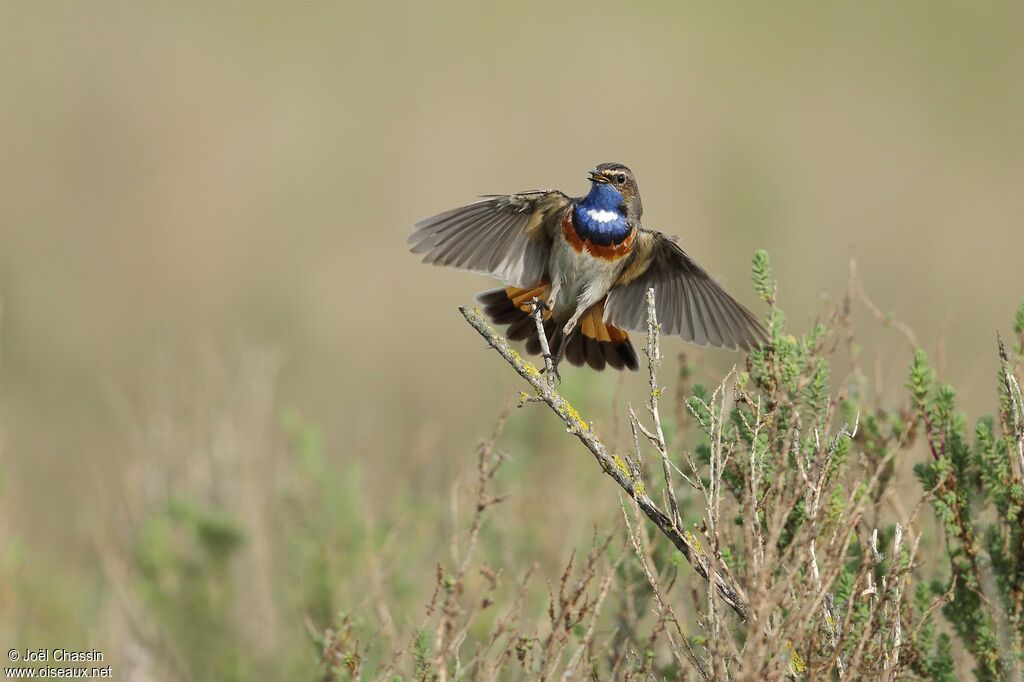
[(508, 236), (689, 302)]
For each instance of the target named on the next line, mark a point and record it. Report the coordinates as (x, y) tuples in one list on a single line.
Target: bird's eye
[(621, 179)]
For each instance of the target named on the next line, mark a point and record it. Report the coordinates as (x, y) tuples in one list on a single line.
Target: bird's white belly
[(579, 279)]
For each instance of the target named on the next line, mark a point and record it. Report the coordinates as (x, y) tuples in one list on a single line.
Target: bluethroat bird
[(590, 261)]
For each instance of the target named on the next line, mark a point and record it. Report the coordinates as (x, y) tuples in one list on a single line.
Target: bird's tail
[(593, 342)]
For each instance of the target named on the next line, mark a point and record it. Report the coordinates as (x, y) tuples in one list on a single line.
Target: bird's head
[(615, 178)]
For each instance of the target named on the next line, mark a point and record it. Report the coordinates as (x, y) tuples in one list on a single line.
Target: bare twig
[(653, 351), (538, 317), (446, 638), (665, 611), (886, 319), (1016, 405)]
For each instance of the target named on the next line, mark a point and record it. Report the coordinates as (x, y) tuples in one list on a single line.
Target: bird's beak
[(597, 177)]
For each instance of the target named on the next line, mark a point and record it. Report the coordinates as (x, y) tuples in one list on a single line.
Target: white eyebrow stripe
[(602, 216)]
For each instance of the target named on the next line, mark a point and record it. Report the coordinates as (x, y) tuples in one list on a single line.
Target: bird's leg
[(573, 321), (567, 331), (554, 369), (557, 358), (552, 296)]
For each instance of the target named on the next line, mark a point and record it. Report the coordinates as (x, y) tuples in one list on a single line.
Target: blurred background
[(210, 320)]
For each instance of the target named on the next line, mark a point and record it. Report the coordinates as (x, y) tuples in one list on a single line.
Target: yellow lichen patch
[(574, 415), (524, 365), (621, 466), (695, 541), (656, 393), (796, 663), (639, 488)]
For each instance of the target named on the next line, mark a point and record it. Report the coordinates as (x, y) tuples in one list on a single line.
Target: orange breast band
[(602, 251)]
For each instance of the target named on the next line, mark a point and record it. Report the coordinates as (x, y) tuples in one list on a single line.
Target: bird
[(589, 263)]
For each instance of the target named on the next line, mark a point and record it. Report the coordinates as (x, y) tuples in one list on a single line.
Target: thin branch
[(653, 351), (665, 611), (887, 320), (1016, 405), (538, 317)]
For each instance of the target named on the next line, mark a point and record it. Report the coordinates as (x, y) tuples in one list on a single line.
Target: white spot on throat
[(602, 216)]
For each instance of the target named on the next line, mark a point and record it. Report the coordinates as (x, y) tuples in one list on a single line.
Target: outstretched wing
[(689, 303), (508, 236)]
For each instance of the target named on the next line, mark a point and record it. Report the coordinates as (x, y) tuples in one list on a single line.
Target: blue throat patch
[(599, 218)]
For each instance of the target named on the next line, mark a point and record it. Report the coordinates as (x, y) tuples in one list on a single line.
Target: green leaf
[(764, 282)]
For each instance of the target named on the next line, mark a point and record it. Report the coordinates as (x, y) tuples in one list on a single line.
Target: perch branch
[(612, 465)]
